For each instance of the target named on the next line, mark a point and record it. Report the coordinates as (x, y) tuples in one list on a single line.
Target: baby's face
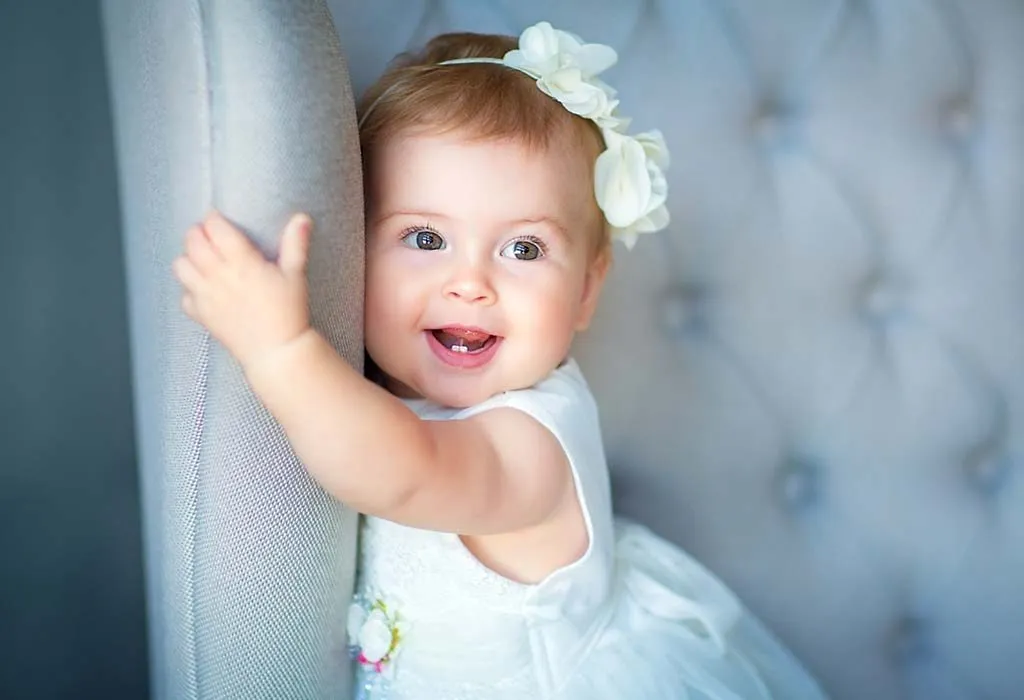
[(480, 264)]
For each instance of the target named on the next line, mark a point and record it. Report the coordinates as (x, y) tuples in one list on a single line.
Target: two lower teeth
[(460, 348)]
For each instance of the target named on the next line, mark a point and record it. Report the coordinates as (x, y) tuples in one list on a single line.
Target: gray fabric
[(246, 107)]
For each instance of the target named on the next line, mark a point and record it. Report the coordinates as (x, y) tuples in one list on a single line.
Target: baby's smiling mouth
[(463, 340)]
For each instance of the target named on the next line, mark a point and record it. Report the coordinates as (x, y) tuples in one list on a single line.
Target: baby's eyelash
[(535, 240), (418, 227)]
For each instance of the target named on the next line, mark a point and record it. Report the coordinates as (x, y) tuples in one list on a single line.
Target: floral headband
[(629, 178)]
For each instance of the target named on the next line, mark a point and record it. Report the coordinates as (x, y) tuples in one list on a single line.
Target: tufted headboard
[(815, 380)]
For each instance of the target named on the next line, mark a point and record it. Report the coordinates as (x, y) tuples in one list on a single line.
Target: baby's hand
[(254, 307)]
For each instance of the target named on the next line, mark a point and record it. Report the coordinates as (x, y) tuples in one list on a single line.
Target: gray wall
[(72, 617)]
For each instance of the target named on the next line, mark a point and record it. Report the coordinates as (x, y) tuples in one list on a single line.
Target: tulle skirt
[(677, 632)]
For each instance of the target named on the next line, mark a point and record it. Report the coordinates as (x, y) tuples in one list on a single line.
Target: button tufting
[(988, 468), (683, 310), (959, 116), (772, 121), (799, 483), (883, 296), (908, 641)]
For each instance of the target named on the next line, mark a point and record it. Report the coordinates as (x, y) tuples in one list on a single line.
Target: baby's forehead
[(438, 151), (562, 144), (479, 179), (474, 178)]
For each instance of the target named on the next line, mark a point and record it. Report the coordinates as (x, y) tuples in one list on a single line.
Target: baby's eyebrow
[(557, 225), (423, 214)]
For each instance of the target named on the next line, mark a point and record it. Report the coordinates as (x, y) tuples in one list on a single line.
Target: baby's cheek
[(379, 320), (384, 289), (554, 324)]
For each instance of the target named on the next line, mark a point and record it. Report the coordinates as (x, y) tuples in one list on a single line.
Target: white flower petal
[(539, 41), (655, 147), (576, 94), (608, 89), (516, 59), (539, 47), (568, 43), (582, 99), (356, 619), (656, 220), (375, 637), (611, 121), (594, 58), (565, 81), (659, 186), (621, 180), (626, 235)]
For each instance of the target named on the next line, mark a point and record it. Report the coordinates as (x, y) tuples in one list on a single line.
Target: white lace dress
[(635, 617)]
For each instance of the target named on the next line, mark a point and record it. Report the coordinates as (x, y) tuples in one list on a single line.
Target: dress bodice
[(468, 625)]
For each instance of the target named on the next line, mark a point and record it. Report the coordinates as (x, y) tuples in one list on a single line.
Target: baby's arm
[(500, 471)]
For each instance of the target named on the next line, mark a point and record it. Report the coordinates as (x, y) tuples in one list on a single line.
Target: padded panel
[(814, 380), (245, 107)]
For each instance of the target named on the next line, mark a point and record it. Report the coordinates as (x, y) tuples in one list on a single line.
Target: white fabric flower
[(630, 186), (579, 96), (544, 49), (375, 636), (655, 221), (356, 620), (655, 147), (538, 50), (565, 69)]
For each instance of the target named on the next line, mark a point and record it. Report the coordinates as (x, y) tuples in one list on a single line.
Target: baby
[(498, 174)]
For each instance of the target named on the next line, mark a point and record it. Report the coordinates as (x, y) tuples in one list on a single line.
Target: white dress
[(635, 617)]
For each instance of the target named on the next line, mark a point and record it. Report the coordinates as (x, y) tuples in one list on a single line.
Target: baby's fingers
[(188, 305), (187, 273), (231, 243), (200, 250)]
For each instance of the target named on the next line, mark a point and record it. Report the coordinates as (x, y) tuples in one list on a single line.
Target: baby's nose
[(470, 283)]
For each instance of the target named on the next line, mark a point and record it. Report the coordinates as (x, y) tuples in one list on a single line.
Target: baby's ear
[(597, 271)]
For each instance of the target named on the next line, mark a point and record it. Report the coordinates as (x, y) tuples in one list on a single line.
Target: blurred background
[(72, 605)]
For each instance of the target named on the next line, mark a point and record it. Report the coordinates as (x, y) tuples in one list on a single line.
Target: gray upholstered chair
[(814, 381)]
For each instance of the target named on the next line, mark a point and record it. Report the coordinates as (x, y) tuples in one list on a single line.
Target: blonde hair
[(484, 101)]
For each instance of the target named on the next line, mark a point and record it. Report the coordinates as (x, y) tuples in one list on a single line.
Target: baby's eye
[(423, 239), (523, 249)]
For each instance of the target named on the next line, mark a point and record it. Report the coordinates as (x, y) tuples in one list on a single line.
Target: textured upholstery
[(815, 380), (249, 563)]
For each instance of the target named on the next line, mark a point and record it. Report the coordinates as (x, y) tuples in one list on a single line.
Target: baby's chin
[(461, 392)]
